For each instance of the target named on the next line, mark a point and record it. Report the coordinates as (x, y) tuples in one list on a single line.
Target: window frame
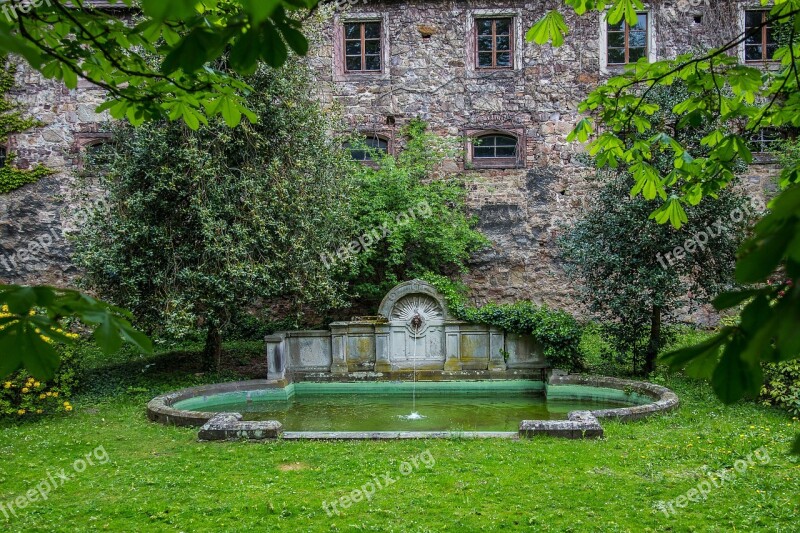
[(338, 58), (494, 51), (764, 34), (498, 163), (626, 47), (363, 40), (381, 136), (650, 43)]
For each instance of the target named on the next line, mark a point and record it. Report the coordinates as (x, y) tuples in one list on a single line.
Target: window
[(362, 47), (627, 44), (759, 42), (495, 150), (363, 151), (3, 156), (766, 140), (495, 42)]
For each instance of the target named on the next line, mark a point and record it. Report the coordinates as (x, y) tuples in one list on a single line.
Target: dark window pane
[(353, 48), (372, 47), (506, 151), (770, 36), (619, 26), (376, 143), (616, 40), (504, 59), (373, 62), (483, 151), (753, 37), (485, 59), (352, 31), (635, 54), (637, 39), (771, 49), (484, 43), (3, 156), (372, 30), (641, 23), (492, 146), (504, 43), (752, 53), (503, 27), (752, 19), (616, 56), (484, 26), (354, 63)]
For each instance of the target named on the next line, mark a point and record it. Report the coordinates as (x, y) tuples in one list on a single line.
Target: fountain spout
[(416, 322)]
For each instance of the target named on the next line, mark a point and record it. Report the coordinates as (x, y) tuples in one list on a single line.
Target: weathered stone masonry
[(428, 53)]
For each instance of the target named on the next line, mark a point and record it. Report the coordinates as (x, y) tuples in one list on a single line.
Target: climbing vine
[(12, 121)]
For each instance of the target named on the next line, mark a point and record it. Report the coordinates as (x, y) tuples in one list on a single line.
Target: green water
[(324, 408)]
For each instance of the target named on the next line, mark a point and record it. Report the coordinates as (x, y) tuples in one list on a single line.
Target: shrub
[(23, 396), (557, 331), (782, 385)]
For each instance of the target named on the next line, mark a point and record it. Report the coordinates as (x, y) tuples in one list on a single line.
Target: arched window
[(495, 150), (363, 151)]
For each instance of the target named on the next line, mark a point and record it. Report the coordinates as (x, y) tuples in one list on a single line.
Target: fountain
[(348, 382)]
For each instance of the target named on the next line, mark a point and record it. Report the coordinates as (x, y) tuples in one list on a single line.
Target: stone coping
[(579, 424), (585, 424)]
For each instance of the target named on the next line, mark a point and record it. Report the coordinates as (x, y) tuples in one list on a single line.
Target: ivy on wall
[(11, 122)]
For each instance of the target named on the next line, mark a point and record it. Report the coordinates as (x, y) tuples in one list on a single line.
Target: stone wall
[(36, 219), (430, 75)]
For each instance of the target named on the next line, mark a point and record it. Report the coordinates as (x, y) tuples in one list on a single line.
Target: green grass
[(161, 479)]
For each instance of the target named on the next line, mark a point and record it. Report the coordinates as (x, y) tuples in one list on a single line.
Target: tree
[(158, 67), (411, 220), (205, 223), (158, 60), (740, 100), (628, 271), (628, 268)]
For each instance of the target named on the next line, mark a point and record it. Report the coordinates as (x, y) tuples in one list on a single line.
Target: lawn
[(148, 477)]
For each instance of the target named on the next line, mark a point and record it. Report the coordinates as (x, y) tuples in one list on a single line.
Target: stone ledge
[(229, 426), (665, 399), (580, 425)]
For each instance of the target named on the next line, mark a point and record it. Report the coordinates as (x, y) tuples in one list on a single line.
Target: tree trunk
[(655, 340), (213, 350)]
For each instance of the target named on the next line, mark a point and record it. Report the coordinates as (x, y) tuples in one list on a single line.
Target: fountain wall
[(414, 330)]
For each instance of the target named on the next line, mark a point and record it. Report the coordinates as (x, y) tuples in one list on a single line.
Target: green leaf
[(726, 300), (733, 377), (796, 446), (550, 28)]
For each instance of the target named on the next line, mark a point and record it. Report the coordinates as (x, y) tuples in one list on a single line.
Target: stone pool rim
[(579, 424)]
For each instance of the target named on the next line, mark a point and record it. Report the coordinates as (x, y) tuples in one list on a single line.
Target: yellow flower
[(42, 396), (66, 404), (68, 408), (49, 393), (39, 411), (7, 385), (21, 412), (25, 390), (55, 395), (37, 384)]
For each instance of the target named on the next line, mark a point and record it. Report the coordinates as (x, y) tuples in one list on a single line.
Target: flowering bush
[(23, 395)]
